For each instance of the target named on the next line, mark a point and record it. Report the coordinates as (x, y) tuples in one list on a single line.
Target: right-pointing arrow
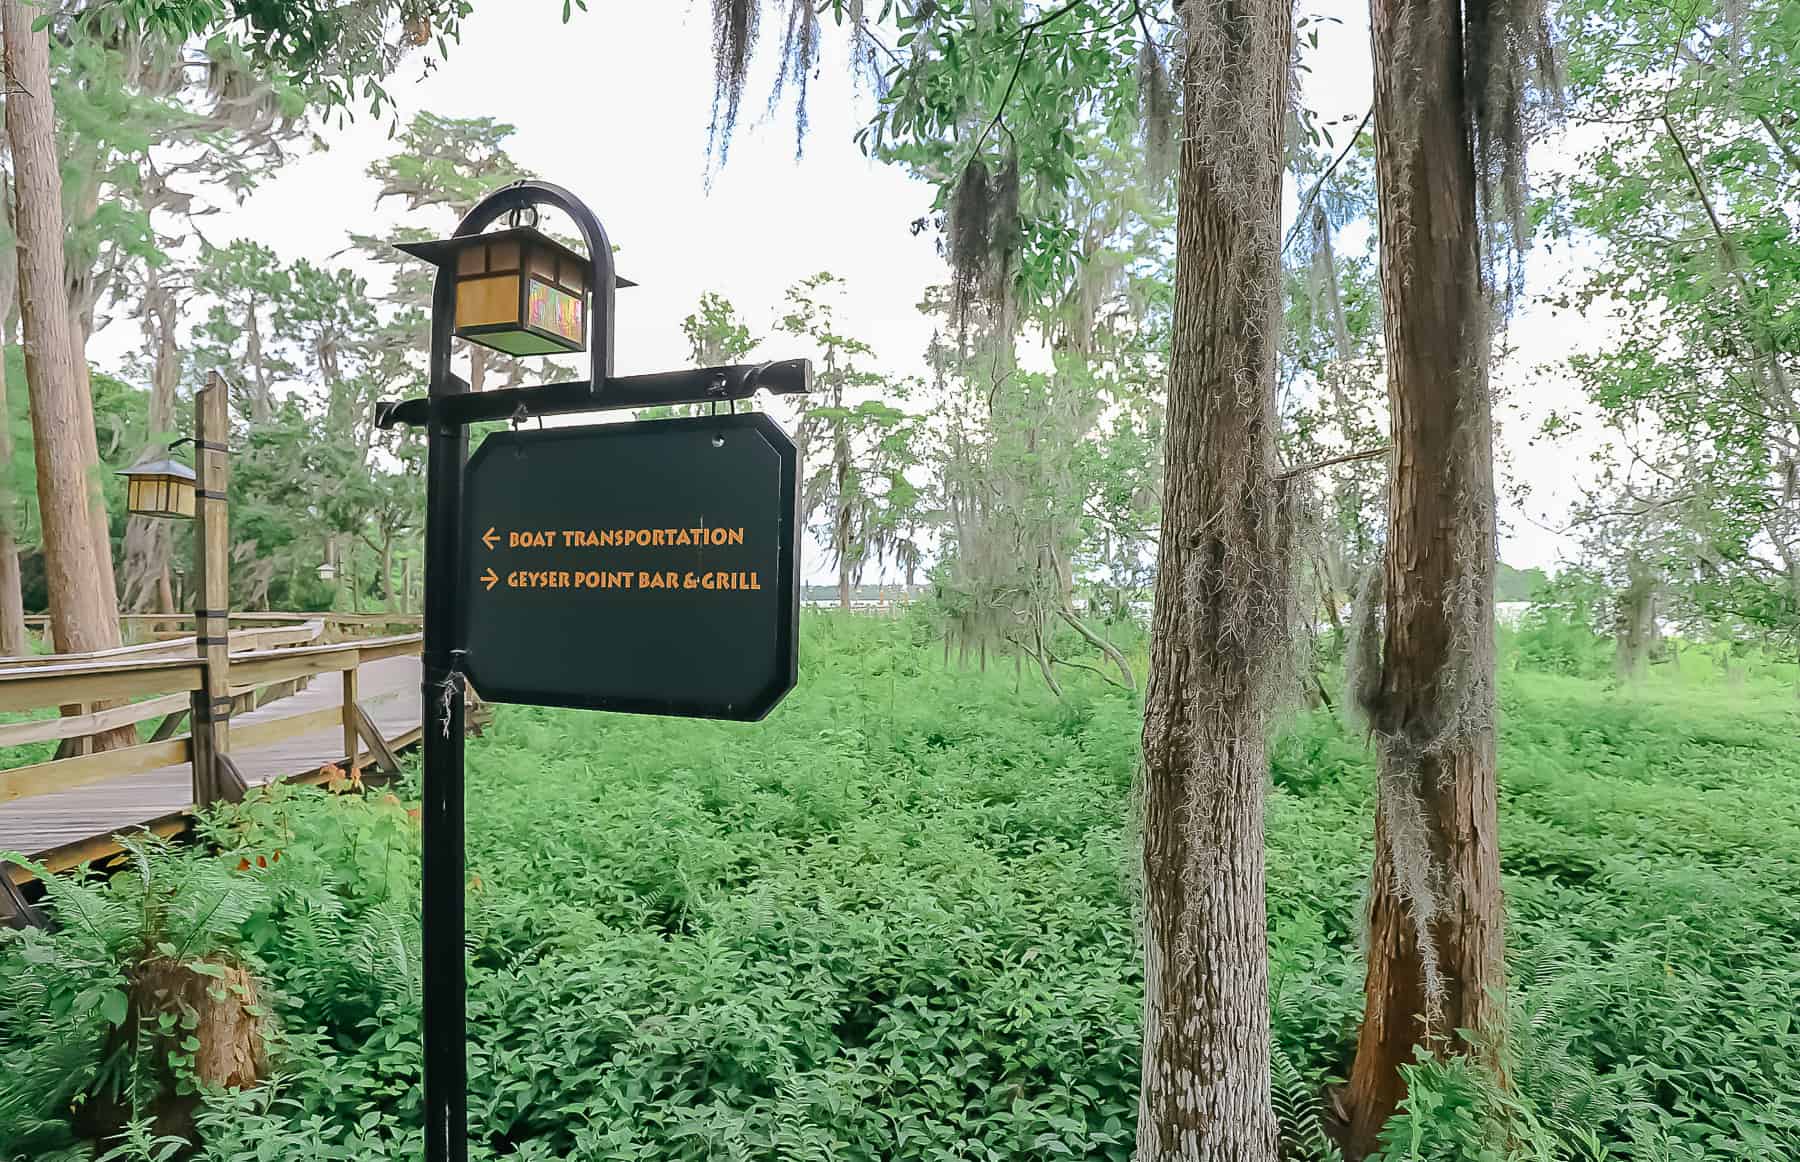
[(491, 578)]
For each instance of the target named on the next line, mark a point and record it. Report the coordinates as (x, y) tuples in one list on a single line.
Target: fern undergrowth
[(895, 922)]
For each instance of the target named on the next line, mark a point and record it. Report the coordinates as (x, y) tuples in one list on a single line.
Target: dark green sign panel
[(650, 568)]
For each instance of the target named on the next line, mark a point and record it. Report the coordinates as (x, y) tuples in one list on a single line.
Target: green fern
[(1552, 1078), (1299, 1111)]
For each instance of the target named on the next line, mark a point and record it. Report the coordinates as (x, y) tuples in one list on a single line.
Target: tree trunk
[(387, 574), (149, 541), (1221, 602), (99, 525), (1434, 948), (841, 526), (83, 610), (262, 399), (477, 367), (14, 640), (1635, 629), (1328, 591)]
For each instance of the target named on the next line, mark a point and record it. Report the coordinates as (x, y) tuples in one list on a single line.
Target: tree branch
[(1313, 194), (1786, 150), (1777, 392), (1103, 675), (1030, 29), (1346, 458)]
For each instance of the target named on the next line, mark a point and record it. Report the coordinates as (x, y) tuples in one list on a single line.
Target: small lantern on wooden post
[(162, 488), (518, 291)]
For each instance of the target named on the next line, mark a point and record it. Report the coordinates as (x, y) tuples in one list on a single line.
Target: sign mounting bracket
[(732, 382)]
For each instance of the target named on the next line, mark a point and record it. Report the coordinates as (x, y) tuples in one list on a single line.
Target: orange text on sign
[(621, 538), (630, 579)]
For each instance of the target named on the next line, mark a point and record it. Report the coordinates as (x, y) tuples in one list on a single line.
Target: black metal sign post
[(650, 568)]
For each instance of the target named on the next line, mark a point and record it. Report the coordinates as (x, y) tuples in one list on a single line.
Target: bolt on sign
[(649, 567)]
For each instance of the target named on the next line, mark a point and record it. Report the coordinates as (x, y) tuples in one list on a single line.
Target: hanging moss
[(799, 60), (865, 61), (735, 25), (1513, 77), (1158, 106), (982, 231)]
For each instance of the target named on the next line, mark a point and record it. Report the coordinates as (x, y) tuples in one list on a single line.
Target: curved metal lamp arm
[(603, 282)]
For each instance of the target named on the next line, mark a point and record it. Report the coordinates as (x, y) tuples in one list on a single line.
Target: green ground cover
[(895, 922)]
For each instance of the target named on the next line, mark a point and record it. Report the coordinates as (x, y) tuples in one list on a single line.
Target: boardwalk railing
[(158, 680), (161, 628), (157, 628), (270, 637)]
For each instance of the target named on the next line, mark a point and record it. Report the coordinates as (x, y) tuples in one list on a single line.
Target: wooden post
[(384, 757), (350, 723), (211, 713)]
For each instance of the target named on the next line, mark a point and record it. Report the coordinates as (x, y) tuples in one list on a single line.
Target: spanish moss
[(799, 61), (865, 61), (735, 25), (1513, 77), (981, 240), (1157, 108)]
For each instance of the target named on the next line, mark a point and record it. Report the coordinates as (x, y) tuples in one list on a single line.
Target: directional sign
[(650, 567)]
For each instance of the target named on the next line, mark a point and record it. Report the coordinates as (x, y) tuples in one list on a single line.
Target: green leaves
[(113, 1007), (338, 55), (1690, 191)]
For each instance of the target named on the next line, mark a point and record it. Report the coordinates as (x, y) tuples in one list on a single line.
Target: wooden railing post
[(211, 712), (350, 722)]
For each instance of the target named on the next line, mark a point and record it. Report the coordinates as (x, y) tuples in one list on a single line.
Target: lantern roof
[(159, 468), (443, 251)]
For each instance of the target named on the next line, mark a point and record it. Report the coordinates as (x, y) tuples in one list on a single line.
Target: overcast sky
[(615, 106)]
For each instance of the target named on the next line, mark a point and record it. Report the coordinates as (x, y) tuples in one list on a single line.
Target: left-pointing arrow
[(490, 578), (488, 538)]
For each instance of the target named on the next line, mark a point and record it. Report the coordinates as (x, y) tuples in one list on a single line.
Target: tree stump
[(189, 1026)]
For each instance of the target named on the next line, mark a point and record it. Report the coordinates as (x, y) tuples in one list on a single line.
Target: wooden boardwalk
[(387, 689)]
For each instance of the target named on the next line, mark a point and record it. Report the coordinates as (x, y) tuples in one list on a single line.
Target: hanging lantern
[(162, 488), (518, 291)]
